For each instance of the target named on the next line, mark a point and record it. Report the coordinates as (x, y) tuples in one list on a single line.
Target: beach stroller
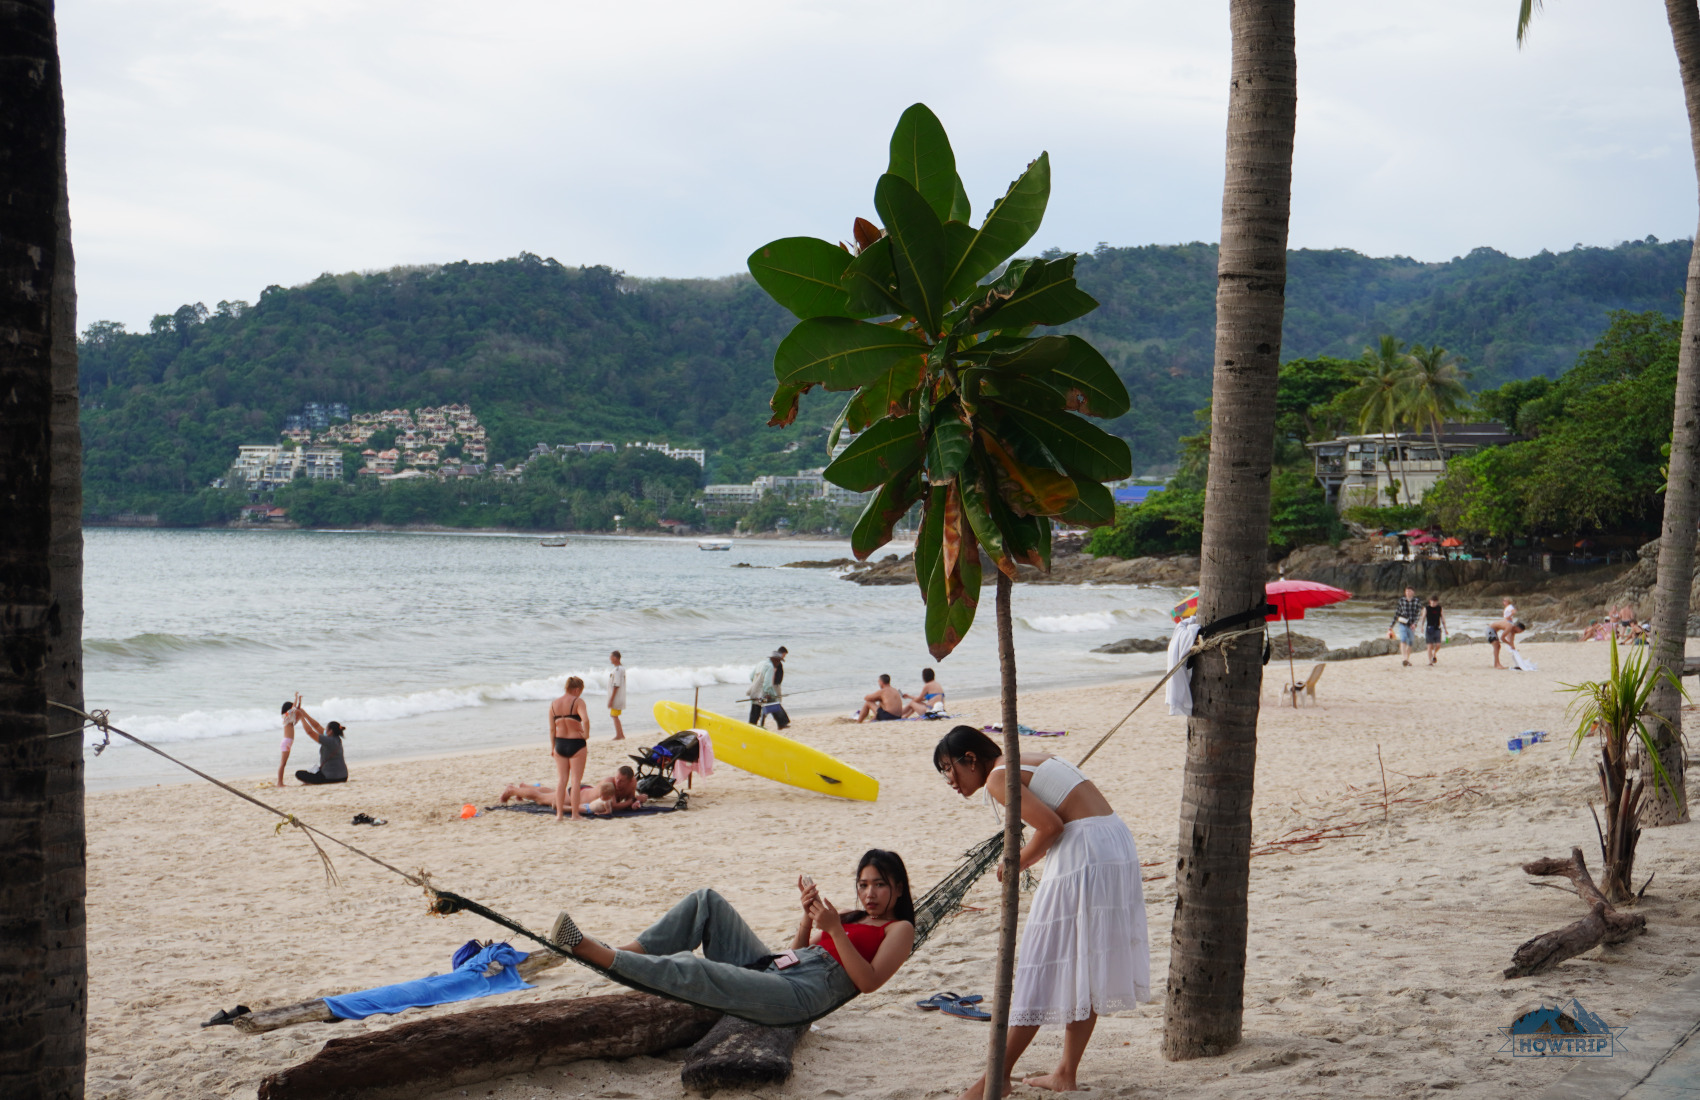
[(655, 765)]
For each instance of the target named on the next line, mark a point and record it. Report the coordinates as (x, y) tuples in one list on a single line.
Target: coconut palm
[(1682, 493), (1207, 948), (1434, 388), (43, 963), (1381, 397)]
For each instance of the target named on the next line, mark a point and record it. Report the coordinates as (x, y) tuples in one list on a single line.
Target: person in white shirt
[(617, 694)]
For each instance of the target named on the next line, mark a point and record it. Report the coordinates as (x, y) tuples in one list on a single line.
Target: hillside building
[(1359, 470)]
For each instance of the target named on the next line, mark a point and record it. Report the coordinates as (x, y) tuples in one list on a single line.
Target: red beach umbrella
[(1449, 541), (1291, 598), (1423, 540)]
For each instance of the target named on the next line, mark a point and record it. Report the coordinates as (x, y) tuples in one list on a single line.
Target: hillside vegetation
[(545, 352)]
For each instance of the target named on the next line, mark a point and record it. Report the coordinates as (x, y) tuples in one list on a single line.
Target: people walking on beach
[(569, 731), (617, 694), (333, 768), (932, 695), (884, 703), (765, 692), (1084, 950), (1434, 628), (1405, 623), (833, 957), (290, 710)]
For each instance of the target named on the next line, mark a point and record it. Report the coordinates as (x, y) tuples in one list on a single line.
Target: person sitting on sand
[(332, 767), (617, 792), (1085, 949), (885, 702), (932, 695), (1503, 631), (833, 956)]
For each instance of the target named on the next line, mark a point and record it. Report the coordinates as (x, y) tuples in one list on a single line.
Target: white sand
[(1374, 963)]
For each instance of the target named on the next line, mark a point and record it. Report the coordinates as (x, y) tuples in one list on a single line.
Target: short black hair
[(926, 674), (287, 707), (885, 677), (626, 771)]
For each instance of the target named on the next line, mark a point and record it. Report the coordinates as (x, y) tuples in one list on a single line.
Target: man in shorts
[(617, 694), (884, 703), (1405, 623)]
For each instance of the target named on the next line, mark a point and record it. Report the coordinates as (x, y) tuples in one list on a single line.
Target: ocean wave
[(1080, 623), (199, 725), (154, 647)]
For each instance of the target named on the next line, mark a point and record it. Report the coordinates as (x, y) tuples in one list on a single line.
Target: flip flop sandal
[(963, 1011), (225, 1016), (937, 1001)]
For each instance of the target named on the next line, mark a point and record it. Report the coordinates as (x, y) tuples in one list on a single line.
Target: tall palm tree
[(1207, 948), (1668, 805), (1434, 389), (43, 964), (1380, 396)]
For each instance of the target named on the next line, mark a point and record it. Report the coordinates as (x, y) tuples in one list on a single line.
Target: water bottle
[(1515, 744)]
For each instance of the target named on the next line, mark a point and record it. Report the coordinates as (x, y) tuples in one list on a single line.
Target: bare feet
[(1055, 1081), (978, 1089)]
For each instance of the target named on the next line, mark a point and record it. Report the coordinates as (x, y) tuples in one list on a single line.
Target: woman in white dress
[(1084, 950)]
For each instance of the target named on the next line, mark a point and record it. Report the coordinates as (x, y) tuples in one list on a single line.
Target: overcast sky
[(219, 146)]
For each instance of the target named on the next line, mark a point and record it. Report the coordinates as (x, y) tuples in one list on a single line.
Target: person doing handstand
[(833, 956)]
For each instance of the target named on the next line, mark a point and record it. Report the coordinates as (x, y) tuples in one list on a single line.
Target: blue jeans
[(719, 979), (1404, 633)]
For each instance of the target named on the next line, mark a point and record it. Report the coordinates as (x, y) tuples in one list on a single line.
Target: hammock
[(942, 901)]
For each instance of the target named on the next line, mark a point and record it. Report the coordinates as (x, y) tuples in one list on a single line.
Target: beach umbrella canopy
[(1449, 541), (1292, 598), (1188, 606), (1414, 532), (1423, 539)]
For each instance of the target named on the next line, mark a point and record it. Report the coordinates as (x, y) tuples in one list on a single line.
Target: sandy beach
[(1374, 964)]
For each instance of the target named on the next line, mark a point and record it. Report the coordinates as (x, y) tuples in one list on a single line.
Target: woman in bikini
[(932, 695), (833, 956), (569, 731), (1085, 950)]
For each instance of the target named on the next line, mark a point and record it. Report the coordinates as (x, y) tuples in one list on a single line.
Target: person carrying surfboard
[(1085, 949), (833, 956)]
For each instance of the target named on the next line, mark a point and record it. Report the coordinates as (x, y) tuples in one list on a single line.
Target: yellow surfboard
[(771, 755)]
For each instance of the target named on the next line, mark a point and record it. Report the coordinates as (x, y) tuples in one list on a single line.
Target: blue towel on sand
[(463, 983)]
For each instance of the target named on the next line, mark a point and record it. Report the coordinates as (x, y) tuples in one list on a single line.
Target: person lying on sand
[(617, 792), (885, 702), (833, 956)]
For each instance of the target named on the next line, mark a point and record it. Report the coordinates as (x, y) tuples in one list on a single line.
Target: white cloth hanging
[(1178, 691)]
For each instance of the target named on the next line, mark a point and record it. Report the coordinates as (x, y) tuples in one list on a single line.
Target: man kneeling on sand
[(617, 792), (884, 703)]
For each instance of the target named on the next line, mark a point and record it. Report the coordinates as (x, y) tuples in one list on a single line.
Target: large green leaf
[(928, 540), (948, 448), (917, 248), (1029, 490), (921, 154), (1096, 506), (1011, 223), (784, 405), (804, 275), (870, 282), (1085, 449), (952, 594), (977, 510), (878, 454), (841, 354), (960, 208), (891, 394), (882, 512), (1026, 391), (1089, 384), (1046, 295), (1024, 354)]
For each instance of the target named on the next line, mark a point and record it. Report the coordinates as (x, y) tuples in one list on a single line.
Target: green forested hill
[(544, 352)]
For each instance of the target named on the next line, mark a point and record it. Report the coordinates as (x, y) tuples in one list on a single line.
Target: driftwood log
[(466, 1048), (738, 1054), (317, 1011), (1603, 924)]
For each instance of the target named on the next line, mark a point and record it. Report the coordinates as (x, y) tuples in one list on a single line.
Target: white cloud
[(220, 146)]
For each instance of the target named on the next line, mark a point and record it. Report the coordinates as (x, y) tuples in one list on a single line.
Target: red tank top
[(865, 938)]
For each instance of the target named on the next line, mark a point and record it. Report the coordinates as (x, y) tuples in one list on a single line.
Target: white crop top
[(1053, 780)]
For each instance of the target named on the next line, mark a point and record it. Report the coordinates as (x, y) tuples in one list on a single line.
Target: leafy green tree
[(1434, 388), (957, 405), (1380, 395), (1307, 398)]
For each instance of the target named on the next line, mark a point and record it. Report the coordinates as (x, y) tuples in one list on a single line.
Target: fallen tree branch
[(465, 1048), (1603, 924), (738, 1054)]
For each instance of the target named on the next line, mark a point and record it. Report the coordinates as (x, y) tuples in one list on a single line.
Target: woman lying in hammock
[(833, 957)]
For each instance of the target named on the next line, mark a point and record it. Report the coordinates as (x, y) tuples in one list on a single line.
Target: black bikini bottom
[(569, 747)]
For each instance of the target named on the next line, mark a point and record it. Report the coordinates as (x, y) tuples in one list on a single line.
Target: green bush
[(1398, 517)]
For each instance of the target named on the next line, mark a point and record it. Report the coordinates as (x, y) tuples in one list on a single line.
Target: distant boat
[(715, 544), (556, 542)]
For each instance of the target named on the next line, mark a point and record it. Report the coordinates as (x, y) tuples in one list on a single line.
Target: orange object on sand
[(468, 810)]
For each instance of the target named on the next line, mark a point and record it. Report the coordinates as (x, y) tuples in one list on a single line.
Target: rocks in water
[(835, 563), (1135, 645)]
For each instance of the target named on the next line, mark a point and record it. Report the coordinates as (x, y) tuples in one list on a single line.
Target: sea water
[(424, 643)]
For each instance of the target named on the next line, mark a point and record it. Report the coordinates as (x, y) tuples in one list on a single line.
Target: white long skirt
[(1085, 948)]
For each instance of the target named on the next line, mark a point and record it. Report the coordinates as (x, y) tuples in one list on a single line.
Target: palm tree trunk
[(1213, 869), (1010, 911), (43, 964), (1665, 805)]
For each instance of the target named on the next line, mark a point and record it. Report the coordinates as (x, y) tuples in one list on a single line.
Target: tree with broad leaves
[(959, 406)]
